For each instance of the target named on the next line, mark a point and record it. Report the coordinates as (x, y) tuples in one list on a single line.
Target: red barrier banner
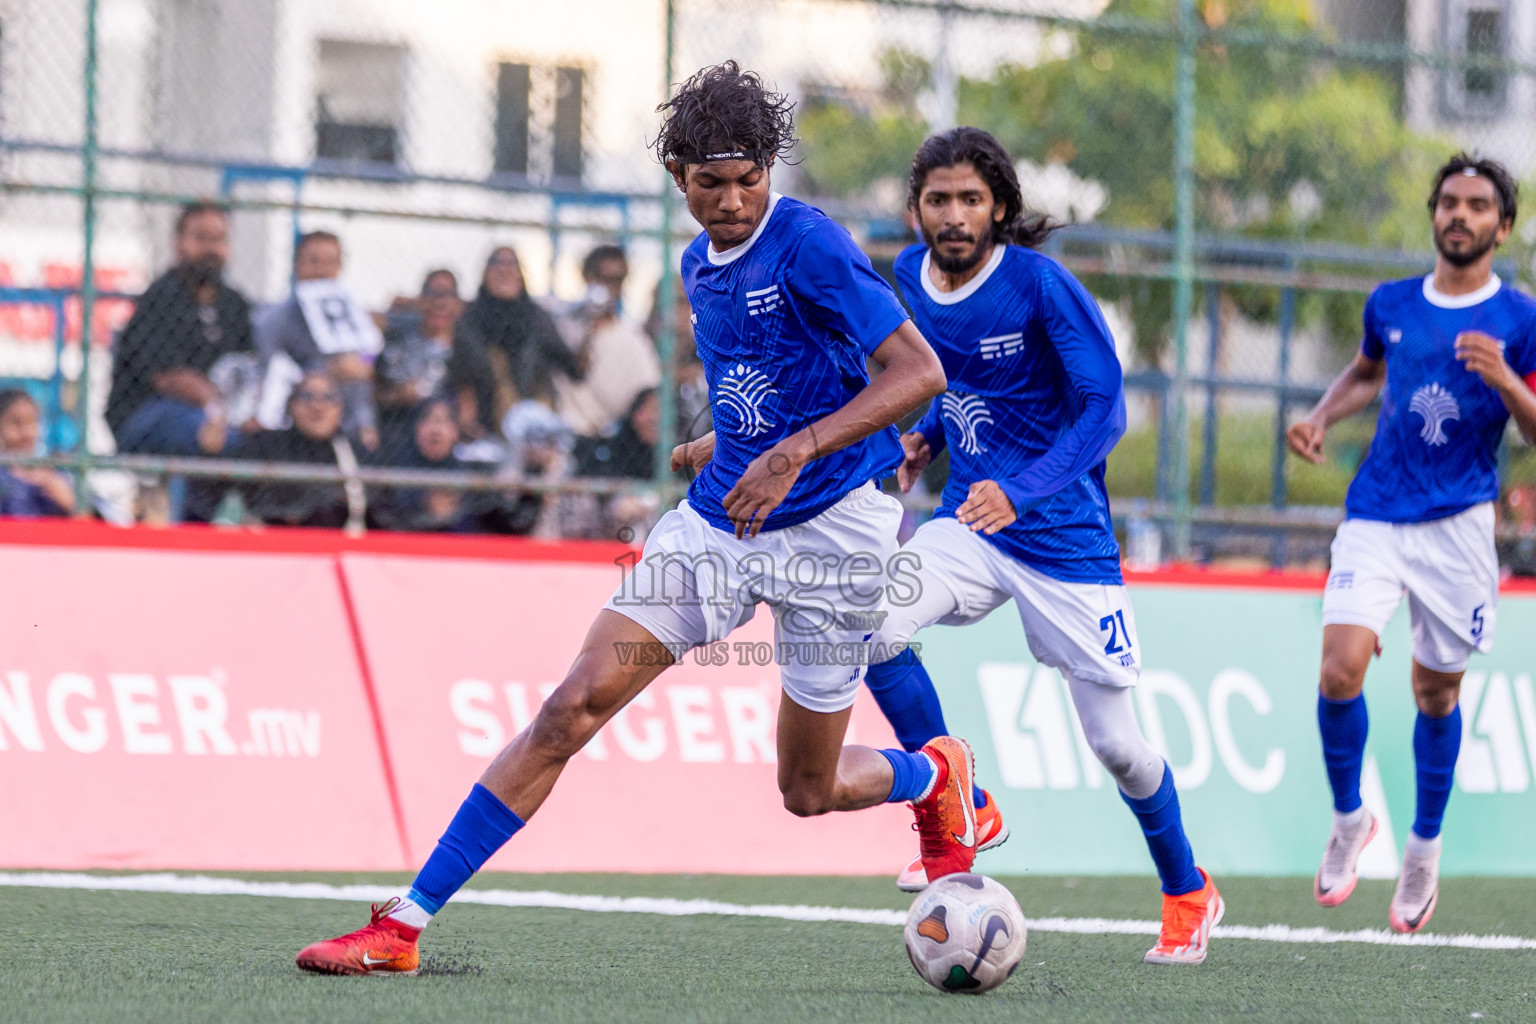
[(461, 655), (184, 710)]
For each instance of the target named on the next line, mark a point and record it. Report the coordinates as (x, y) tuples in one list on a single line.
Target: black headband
[(696, 157)]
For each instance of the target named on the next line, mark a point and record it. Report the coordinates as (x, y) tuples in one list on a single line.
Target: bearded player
[(787, 309), (1034, 405), (1453, 357)]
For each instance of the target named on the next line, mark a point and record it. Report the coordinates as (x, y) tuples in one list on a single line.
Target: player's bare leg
[(817, 774), (1347, 653), (1436, 739), (598, 684)]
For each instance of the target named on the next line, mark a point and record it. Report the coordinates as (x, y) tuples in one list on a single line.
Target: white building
[(1489, 110), (466, 110)]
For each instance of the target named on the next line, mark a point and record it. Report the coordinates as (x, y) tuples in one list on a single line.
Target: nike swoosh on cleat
[(969, 838), (369, 961)]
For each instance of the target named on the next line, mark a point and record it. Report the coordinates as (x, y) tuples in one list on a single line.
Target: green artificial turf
[(108, 956)]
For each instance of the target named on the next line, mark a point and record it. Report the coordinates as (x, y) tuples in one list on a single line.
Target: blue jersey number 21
[(1119, 639)]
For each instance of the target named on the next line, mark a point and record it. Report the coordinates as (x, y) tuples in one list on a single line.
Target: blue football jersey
[(1435, 452), (1035, 402), (783, 323)]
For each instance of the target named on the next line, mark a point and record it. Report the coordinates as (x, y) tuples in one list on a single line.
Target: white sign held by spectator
[(336, 320)]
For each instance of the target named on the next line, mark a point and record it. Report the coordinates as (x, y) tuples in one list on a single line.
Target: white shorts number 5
[(1449, 569)]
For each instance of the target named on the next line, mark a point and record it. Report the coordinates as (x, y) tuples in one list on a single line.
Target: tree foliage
[(1287, 145)]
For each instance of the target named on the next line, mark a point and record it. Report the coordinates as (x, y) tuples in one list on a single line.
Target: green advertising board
[(1228, 692)]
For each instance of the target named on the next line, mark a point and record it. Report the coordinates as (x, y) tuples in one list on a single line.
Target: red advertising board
[(461, 654), (163, 709)]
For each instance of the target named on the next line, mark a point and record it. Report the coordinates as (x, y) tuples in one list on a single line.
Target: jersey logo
[(743, 392), (1002, 345), (1394, 336), (1434, 405), (764, 300), (968, 413)]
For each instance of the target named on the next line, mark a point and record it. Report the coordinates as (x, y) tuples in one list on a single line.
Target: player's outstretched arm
[(912, 375), (916, 454), (1485, 356), (1353, 390), (920, 446), (695, 454), (1077, 331)]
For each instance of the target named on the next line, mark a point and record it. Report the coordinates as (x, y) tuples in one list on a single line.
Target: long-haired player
[(787, 309), (1034, 405)]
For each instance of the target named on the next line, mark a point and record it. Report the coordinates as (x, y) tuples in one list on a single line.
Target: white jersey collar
[(736, 252), (966, 290), (1437, 298)]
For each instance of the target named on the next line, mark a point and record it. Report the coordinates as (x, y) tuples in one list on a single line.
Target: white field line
[(203, 885)]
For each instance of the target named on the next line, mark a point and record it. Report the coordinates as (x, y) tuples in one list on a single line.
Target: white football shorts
[(1448, 567), (1084, 630), (825, 580)]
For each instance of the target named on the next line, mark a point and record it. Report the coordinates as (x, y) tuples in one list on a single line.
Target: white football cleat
[(1418, 887), (1338, 874)]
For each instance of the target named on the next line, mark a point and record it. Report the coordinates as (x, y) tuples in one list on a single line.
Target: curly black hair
[(1470, 163), (723, 113), (980, 149)]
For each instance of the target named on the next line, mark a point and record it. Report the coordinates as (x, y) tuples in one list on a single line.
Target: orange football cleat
[(946, 818), (385, 946), (990, 834), (1187, 924)]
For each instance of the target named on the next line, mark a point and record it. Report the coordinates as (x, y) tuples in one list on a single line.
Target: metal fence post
[(1212, 367), (88, 259), (666, 343), (1184, 270), (1278, 494), (945, 86)]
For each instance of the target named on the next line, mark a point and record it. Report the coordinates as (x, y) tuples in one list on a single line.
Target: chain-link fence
[(441, 295)]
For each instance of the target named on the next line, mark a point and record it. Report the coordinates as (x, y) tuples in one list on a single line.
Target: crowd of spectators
[(505, 386)]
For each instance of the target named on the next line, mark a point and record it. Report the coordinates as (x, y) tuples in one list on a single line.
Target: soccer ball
[(965, 933)]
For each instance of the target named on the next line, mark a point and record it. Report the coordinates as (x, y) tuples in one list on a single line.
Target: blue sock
[(905, 693), (913, 773), (1344, 724), (482, 826), (1436, 742), (1160, 822)]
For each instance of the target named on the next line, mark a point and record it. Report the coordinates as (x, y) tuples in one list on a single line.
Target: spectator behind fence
[(321, 327), (620, 360), (693, 415), (162, 401), (433, 437), (28, 493), (506, 349), (630, 453), (315, 437), (539, 447), (631, 450), (414, 364)]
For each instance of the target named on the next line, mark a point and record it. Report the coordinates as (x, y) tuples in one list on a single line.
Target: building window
[(1477, 28), (565, 138), (358, 102), (1484, 39), (538, 129), (513, 82)]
